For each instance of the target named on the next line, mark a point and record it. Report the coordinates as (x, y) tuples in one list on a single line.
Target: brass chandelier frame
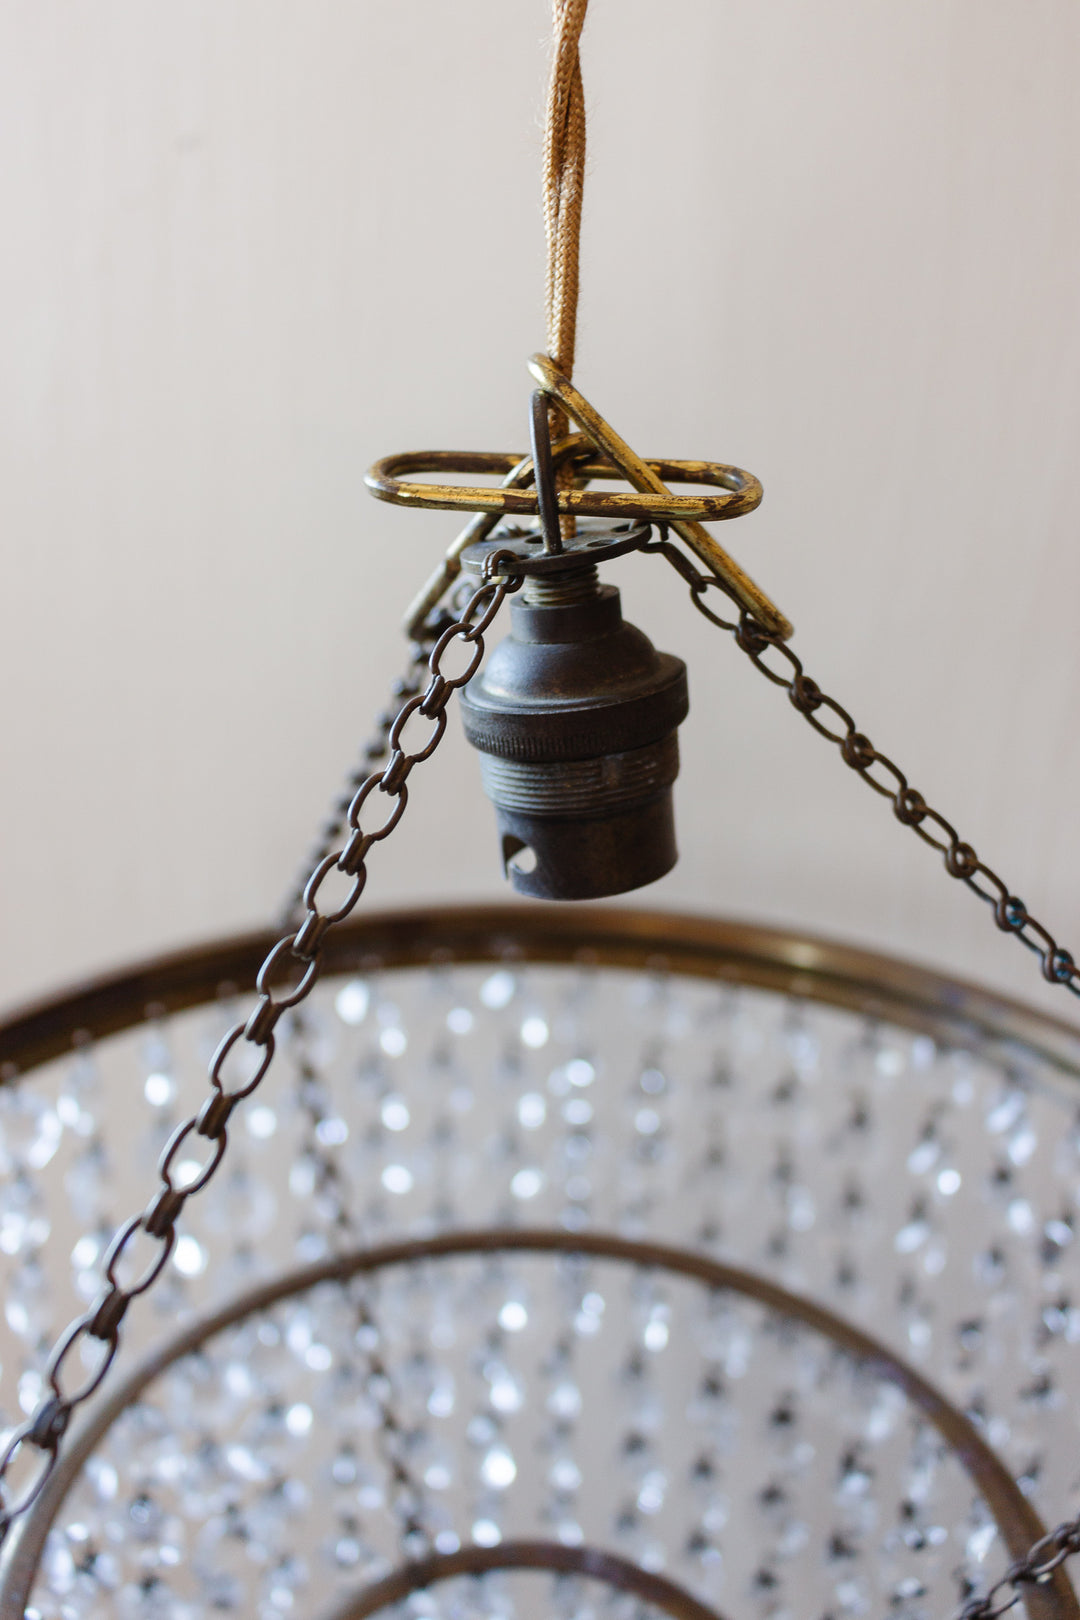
[(796, 966)]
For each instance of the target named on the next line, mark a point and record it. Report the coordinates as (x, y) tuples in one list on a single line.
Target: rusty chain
[(230, 1080)]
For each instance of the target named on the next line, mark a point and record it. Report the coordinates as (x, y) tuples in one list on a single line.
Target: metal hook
[(547, 496)]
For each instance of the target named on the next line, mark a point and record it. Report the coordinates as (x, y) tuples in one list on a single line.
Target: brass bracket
[(597, 452)]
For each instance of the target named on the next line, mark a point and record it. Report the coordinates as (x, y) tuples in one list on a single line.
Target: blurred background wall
[(250, 245)]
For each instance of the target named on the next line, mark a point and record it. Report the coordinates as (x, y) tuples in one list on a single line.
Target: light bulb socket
[(575, 717)]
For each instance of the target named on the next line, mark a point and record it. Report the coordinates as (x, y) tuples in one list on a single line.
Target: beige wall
[(250, 244)]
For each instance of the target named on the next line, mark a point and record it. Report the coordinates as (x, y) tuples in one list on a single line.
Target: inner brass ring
[(608, 1567)]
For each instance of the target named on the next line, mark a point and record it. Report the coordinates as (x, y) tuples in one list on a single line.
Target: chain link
[(437, 621), (776, 660), (1036, 1568), (242, 1058), (373, 751)]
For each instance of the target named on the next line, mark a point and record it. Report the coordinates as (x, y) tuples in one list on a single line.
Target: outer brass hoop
[(801, 966)]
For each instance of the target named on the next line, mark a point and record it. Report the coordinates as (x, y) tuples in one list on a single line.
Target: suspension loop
[(126, 1236), (228, 1044), (698, 588), (360, 798)]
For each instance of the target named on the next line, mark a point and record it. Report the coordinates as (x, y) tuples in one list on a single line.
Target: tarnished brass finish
[(478, 528), (520, 475), (575, 718)]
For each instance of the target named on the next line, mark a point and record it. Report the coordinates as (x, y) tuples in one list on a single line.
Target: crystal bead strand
[(32, 1129), (579, 1303), (647, 1143), (331, 1197), (709, 1159), (712, 1417)]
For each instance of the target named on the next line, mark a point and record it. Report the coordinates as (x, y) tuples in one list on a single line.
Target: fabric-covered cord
[(564, 184)]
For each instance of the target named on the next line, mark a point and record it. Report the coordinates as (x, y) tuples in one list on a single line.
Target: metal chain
[(1036, 1567), (878, 771), (1010, 914), (296, 953), (372, 753), (437, 619)]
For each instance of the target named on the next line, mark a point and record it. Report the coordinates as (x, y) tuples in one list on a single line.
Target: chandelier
[(576, 1262), (582, 1261)]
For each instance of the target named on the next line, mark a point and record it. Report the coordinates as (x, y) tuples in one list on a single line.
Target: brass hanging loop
[(596, 452)]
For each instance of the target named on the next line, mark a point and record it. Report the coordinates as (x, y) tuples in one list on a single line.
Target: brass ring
[(742, 491)]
